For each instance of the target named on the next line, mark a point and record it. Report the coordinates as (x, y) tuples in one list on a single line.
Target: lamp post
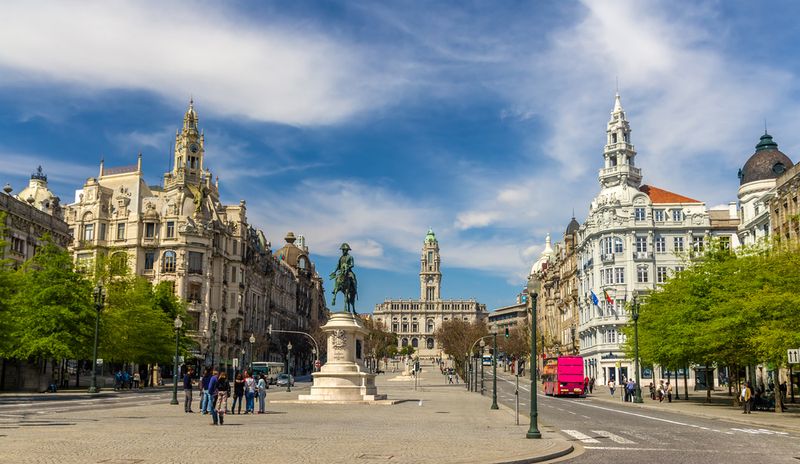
[(289, 367), (533, 288), (213, 338), (635, 316), (178, 324), (241, 363), (316, 360), (467, 368), (480, 360), (494, 371), (99, 300), (252, 342)]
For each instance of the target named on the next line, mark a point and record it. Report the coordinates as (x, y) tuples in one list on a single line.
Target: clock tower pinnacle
[(189, 149), (430, 275)]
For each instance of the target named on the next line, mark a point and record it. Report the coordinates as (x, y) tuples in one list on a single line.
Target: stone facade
[(510, 316), (416, 321), (180, 232), (784, 209)]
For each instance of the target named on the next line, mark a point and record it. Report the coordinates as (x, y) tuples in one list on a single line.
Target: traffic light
[(506, 332)]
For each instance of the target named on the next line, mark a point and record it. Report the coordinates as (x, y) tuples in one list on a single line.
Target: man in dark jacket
[(212, 393), (187, 390)]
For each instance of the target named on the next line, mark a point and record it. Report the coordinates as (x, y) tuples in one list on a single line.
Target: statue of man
[(345, 278)]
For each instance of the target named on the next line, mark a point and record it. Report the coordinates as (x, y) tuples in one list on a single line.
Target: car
[(283, 379)]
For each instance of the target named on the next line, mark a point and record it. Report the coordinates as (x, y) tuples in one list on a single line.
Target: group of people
[(663, 391), (588, 385), (123, 380), (216, 390)]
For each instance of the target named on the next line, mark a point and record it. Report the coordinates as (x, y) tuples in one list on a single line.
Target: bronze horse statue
[(345, 280)]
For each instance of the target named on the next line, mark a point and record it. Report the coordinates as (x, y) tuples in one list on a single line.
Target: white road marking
[(622, 448), (580, 436), (623, 412), (614, 438), (760, 431)]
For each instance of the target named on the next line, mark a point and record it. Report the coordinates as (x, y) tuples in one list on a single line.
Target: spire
[(617, 104), (190, 119)]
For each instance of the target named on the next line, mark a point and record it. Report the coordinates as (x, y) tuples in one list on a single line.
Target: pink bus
[(563, 376)]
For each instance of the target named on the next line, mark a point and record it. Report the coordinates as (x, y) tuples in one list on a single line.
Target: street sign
[(794, 356), (99, 361)]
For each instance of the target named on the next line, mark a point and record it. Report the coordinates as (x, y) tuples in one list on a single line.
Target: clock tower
[(189, 149), (430, 275)]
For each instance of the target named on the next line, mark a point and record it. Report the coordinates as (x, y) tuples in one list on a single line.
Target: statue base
[(344, 379)]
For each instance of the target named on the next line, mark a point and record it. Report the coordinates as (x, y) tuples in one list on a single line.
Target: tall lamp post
[(533, 294), (635, 316), (289, 367), (494, 371), (213, 339), (480, 360), (252, 342), (241, 364), (99, 300), (467, 369), (178, 324)]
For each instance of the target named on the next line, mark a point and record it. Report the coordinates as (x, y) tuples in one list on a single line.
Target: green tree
[(456, 337), (8, 289)]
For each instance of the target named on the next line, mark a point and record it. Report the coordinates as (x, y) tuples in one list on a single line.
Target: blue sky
[(368, 122)]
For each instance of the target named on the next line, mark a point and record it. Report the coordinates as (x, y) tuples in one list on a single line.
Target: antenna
[(765, 126)]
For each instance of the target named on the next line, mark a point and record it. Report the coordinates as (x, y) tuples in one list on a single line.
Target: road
[(615, 433)]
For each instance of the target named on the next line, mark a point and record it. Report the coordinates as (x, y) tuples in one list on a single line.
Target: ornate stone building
[(415, 321), (784, 209), (180, 232), (634, 238)]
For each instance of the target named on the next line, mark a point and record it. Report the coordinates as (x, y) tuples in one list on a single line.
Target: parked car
[(283, 379)]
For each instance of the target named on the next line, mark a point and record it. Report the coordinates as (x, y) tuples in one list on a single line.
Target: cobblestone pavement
[(436, 423)]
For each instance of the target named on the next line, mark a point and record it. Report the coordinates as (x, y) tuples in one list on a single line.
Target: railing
[(642, 255)]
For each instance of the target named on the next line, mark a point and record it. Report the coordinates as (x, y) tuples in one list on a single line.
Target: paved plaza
[(436, 423)]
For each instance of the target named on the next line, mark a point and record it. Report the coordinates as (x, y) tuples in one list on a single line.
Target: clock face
[(194, 148)]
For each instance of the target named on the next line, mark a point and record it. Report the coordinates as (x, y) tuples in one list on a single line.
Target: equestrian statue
[(345, 280)]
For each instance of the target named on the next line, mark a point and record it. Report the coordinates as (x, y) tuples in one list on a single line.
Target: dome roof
[(544, 258), (430, 237), (573, 226), (766, 163)]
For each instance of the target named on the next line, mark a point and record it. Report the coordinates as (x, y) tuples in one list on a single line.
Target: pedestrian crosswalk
[(583, 438), (604, 437)]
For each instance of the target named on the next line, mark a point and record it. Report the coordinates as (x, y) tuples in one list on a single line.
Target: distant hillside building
[(416, 321)]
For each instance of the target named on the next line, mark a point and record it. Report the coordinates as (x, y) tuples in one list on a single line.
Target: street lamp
[(252, 342), (480, 360), (494, 371), (533, 288), (467, 369), (635, 316), (99, 300), (241, 364), (316, 360), (289, 367), (178, 324), (213, 338)]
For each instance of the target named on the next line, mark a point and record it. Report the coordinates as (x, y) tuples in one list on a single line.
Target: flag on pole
[(608, 298), (595, 300)]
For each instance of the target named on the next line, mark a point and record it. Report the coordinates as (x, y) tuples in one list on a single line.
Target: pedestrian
[(137, 379), (631, 390), (238, 393), (611, 387), (652, 391), (782, 389), (187, 390), (591, 385), (746, 397), (223, 391), (669, 392), (126, 380), (585, 384), (249, 393), (660, 391), (118, 380), (204, 397), (262, 393), (212, 397)]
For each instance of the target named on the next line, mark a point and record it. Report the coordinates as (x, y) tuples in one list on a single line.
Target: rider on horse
[(345, 279)]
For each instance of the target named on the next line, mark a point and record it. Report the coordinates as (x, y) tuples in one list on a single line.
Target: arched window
[(429, 343), (404, 342), (414, 342), (169, 261), (430, 326)]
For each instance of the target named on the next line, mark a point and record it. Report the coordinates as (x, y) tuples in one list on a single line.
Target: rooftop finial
[(765, 126), (39, 174)]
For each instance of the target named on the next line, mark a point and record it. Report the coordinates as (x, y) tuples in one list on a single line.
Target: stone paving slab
[(435, 424)]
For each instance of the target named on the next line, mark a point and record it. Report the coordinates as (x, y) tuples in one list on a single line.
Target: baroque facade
[(784, 209), (180, 232), (633, 239), (416, 321)]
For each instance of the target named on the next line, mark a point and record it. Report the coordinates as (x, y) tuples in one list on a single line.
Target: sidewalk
[(720, 407), (437, 423)]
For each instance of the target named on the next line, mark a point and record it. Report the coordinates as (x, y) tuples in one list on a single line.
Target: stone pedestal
[(344, 378)]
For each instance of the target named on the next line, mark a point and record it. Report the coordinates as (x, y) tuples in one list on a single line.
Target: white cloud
[(21, 165), (285, 73)]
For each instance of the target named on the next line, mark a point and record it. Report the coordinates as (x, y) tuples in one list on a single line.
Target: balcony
[(607, 258), (642, 255)]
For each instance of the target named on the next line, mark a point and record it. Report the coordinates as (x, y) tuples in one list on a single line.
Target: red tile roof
[(658, 195)]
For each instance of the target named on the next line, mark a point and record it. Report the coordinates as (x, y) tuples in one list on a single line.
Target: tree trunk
[(709, 384), (78, 374), (777, 392)]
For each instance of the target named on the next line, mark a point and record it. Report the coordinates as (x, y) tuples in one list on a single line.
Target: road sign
[(99, 361), (794, 356), (317, 364)]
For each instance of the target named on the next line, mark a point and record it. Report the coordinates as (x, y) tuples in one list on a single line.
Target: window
[(619, 275), (405, 326), (658, 215), (697, 244), (18, 245), (429, 343), (678, 269), (195, 262), (121, 231), (607, 276), (235, 247), (169, 261), (661, 274), (170, 229), (149, 230), (102, 232), (88, 232), (677, 215), (661, 245), (641, 244), (149, 260), (638, 214), (756, 208), (641, 274), (617, 245), (608, 244), (430, 257), (414, 342), (430, 326), (194, 292), (677, 244), (414, 327), (610, 336), (614, 138), (394, 327), (233, 274)]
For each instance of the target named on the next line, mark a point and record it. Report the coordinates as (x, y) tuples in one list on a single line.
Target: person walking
[(746, 397), (136, 380), (660, 391), (652, 391), (205, 399), (262, 393), (591, 385), (212, 395), (669, 391), (238, 393), (630, 390), (611, 387), (223, 392), (249, 393), (187, 390)]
